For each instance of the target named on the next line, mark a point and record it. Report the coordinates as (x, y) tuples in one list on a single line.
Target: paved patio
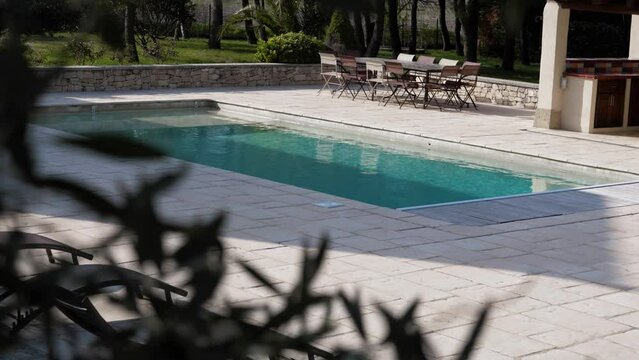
[(564, 280)]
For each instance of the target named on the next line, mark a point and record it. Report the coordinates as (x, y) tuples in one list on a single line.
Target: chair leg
[(346, 86), (391, 96), (433, 97), (326, 84), (362, 88)]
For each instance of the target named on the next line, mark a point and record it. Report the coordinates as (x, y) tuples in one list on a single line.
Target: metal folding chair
[(426, 60), (330, 71), (376, 78), (354, 77), (447, 84), (448, 62), (469, 74), (400, 80), (405, 57)]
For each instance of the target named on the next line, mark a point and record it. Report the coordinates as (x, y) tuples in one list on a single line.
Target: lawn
[(52, 51)]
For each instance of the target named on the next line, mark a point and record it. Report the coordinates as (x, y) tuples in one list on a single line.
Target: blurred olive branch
[(176, 329)]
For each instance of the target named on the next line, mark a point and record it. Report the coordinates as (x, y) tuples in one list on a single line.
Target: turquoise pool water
[(350, 169)]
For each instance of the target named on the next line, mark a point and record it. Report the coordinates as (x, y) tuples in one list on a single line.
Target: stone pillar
[(554, 48), (634, 38)]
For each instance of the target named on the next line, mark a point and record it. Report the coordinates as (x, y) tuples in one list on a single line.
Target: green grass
[(51, 51), (490, 66)]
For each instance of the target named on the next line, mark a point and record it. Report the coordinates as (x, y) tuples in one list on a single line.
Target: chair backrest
[(395, 68), (348, 63), (449, 72), (328, 59), (406, 57), (448, 62), (375, 70), (426, 60), (470, 69)]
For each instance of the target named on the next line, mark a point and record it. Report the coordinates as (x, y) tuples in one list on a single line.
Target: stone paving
[(564, 286)]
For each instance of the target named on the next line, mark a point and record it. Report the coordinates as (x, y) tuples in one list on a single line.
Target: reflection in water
[(368, 161), (324, 151), (539, 185)]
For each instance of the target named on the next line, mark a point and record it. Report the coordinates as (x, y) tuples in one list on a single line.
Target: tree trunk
[(248, 27), (469, 16), (508, 60), (369, 27), (216, 25), (525, 41), (459, 45), (261, 31), (356, 20), (412, 45), (376, 40), (393, 28), (129, 33), (442, 20)]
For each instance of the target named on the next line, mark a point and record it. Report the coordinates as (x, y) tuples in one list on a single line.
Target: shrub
[(340, 35), (83, 51), (291, 48)]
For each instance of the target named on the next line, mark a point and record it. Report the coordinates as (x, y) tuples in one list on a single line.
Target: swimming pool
[(379, 175)]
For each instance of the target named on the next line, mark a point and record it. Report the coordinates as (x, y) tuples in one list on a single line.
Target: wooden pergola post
[(553, 62)]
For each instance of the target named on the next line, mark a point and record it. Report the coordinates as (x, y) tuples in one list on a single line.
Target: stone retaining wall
[(138, 77), (507, 92)]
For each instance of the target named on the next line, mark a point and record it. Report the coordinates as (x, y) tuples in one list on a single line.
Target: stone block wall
[(139, 77), (507, 92)]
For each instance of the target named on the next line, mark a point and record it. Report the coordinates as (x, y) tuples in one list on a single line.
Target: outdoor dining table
[(410, 66)]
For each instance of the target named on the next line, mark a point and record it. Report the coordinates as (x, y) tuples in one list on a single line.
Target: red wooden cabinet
[(611, 96)]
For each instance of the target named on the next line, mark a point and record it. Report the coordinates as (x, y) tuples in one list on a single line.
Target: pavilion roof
[(610, 6)]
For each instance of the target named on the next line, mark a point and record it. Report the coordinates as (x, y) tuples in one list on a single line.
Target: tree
[(359, 27), (412, 45), (468, 13), (459, 45), (444, 25), (217, 21), (314, 16), (378, 31), (129, 32), (393, 27), (248, 26), (339, 33)]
